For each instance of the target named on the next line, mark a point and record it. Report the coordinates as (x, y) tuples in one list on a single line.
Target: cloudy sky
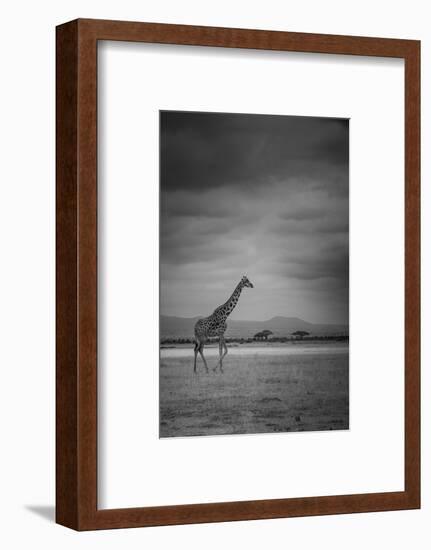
[(261, 195)]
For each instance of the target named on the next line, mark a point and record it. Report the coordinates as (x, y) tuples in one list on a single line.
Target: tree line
[(275, 339)]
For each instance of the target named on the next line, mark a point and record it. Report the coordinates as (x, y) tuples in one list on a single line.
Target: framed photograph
[(238, 274)]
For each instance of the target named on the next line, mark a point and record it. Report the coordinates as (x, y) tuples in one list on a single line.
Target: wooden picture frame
[(76, 208)]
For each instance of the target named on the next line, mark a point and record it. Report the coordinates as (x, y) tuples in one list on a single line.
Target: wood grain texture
[(76, 457), (412, 275), (67, 478)]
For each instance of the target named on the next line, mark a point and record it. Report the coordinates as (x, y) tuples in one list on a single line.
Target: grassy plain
[(264, 389)]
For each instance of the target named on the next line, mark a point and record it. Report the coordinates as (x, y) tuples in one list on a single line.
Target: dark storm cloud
[(202, 150), (262, 195)]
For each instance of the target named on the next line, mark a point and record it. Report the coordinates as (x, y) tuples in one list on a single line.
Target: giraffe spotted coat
[(215, 325)]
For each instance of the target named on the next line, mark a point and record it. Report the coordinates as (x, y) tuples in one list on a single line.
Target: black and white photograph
[(254, 274)]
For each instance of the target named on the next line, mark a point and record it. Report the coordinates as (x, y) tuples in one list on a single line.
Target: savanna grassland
[(263, 389)]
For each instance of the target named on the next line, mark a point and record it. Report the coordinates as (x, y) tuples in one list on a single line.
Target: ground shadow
[(45, 512)]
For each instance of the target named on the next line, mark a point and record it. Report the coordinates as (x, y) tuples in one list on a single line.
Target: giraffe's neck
[(228, 306)]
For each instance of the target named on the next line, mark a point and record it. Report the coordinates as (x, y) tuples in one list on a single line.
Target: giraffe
[(215, 325)]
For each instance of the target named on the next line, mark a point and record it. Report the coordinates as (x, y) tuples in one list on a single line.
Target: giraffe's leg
[(220, 352), (224, 354), (196, 355), (201, 351)]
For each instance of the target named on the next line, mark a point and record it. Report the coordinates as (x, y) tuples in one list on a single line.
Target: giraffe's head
[(245, 282)]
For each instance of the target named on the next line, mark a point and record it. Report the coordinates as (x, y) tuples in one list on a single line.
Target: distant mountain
[(182, 327)]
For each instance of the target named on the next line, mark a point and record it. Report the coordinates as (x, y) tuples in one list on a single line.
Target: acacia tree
[(263, 335), (300, 334)]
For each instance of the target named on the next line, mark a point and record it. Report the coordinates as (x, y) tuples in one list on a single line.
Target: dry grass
[(257, 393)]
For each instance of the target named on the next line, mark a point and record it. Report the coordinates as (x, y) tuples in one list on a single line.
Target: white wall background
[(27, 273)]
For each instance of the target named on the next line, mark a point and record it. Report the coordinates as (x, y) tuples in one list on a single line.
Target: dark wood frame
[(76, 374)]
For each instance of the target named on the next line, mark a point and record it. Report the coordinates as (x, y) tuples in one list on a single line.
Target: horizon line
[(345, 323)]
